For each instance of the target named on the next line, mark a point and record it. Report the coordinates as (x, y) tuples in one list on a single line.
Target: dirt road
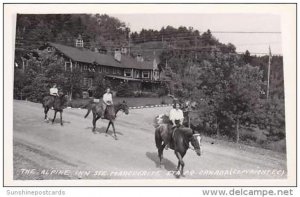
[(49, 151)]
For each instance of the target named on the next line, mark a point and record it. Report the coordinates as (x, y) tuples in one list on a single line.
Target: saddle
[(109, 111), (49, 100)]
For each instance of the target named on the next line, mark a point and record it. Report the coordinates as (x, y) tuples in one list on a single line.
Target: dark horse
[(109, 114), (179, 141), (58, 104)]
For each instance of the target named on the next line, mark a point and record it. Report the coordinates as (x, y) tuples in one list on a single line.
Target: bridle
[(123, 107), (197, 136)]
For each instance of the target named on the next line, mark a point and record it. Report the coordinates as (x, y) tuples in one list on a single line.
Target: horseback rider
[(176, 116), (107, 100), (54, 90), (176, 120)]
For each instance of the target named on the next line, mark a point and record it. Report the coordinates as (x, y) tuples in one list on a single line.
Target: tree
[(19, 83), (243, 93), (247, 57), (73, 82), (101, 84), (270, 116)]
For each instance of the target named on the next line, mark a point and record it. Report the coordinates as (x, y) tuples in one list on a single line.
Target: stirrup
[(167, 147)]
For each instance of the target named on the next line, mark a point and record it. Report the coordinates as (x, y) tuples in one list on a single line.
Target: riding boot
[(103, 111), (168, 144)]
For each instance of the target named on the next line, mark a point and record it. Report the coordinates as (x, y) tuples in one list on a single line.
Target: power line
[(246, 32), (198, 50)]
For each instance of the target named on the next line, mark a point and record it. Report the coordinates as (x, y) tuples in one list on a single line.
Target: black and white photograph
[(113, 95)]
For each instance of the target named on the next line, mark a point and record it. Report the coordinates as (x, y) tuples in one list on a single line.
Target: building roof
[(86, 56)]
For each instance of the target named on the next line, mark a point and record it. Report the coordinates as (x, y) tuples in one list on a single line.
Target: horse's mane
[(118, 105)]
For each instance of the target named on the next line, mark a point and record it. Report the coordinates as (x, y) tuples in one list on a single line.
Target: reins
[(191, 147)]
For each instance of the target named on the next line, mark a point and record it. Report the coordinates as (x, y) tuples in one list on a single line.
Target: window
[(137, 74), (50, 49), (106, 70), (115, 71), (87, 82), (145, 74), (155, 74), (127, 73), (79, 43), (67, 66), (85, 67), (100, 69)]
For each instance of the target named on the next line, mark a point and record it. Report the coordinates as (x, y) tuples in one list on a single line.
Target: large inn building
[(142, 75)]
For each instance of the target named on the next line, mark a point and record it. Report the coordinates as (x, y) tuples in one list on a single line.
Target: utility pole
[(269, 68), (196, 44), (128, 39), (128, 44)]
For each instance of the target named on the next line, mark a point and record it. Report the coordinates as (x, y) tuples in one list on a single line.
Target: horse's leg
[(94, 122), (160, 153), (97, 118), (61, 122), (107, 128), (113, 125), (178, 166), (54, 116), (46, 109), (180, 163)]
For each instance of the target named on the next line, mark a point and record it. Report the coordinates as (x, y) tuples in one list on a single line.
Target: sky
[(254, 42)]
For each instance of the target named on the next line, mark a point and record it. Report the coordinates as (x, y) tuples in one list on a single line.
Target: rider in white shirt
[(176, 114), (107, 100), (54, 90)]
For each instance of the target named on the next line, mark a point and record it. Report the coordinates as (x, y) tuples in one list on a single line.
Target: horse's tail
[(44, 101), (158, 138), (88, 112)]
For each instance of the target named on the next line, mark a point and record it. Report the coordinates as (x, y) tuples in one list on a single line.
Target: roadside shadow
[(102, 130), (57, 121), (168, 165)]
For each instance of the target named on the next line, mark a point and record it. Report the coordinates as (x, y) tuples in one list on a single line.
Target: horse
[(179, 140), (58, 104), (109, 114)]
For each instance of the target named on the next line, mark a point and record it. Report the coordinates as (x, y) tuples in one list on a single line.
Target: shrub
[(149, 94), (80, 103), (124, 90), (279, 146), (162, 92)]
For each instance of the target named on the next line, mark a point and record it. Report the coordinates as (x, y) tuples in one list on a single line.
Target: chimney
[(118, 55), (139, 58), (124, 50), (79, 42)]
